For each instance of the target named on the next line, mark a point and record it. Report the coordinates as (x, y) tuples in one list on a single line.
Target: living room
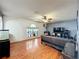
[(49, 24)]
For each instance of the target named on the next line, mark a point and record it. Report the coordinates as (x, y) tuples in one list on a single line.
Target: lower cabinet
[(4, 48)]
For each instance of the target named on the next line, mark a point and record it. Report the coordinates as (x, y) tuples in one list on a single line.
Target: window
[(32, 30)]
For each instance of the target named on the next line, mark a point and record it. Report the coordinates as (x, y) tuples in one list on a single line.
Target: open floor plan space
[(39, 29)]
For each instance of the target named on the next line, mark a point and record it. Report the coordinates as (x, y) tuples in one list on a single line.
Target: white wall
[(17, 28), (70, 25)]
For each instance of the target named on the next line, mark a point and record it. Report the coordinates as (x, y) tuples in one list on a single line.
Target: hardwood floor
[(33, 49)]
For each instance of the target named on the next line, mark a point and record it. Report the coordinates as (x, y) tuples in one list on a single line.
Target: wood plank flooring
[(33, 49)]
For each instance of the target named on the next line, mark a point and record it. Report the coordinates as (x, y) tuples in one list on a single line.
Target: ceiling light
[(45, 21)]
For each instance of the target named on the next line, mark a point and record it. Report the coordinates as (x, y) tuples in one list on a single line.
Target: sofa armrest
[(65, 56), (69, 49)]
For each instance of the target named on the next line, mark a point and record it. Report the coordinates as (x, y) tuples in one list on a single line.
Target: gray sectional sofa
[(66, 46)]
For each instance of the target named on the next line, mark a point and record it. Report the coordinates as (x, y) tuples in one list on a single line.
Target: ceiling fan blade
[(44, 17), (50, 19)]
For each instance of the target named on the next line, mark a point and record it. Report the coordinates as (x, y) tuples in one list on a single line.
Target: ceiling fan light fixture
[(45, 21)]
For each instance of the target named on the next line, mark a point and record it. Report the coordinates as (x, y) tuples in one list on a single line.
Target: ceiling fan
[(43, 18), (46, 19)]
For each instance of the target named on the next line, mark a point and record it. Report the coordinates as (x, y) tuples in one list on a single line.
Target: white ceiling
[(33, 9)]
